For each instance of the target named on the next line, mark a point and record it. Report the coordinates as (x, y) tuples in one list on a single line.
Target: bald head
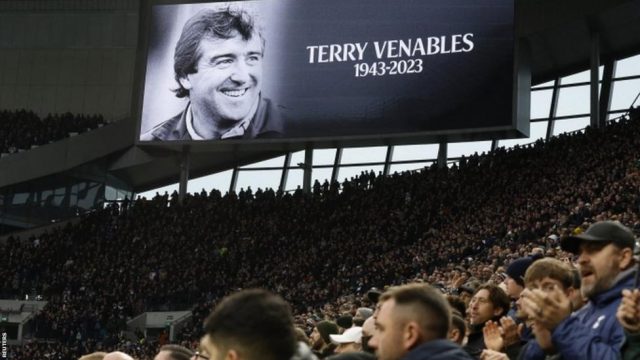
[(117, 355)]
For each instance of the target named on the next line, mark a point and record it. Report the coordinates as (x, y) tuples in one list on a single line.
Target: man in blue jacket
[(605, 262), (412, 323)]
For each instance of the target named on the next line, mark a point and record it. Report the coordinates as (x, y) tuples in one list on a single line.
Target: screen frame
[(519, 128)]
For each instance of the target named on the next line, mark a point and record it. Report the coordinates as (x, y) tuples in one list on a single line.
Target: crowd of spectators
[(324, 250), (22, 129)]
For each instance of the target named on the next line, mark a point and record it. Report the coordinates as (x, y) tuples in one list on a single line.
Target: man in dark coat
[(412, 323), (489, 303)]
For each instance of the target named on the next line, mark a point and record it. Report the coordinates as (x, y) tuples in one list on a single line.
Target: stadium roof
[(559, 34)]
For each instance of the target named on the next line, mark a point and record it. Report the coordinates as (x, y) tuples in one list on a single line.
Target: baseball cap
[(374, 295), (351, 335), (518, 268), (601, 232)]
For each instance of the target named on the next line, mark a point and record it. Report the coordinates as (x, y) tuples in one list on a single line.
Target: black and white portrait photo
[(218, 67)]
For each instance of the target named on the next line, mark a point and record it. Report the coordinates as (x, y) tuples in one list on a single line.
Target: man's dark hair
[(457, 322), (255, 323), (457, 304), (212, 24), (433, 312), (497, 296), (177, 352)]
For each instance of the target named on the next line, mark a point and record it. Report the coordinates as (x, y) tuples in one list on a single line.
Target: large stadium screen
[(317, 69)]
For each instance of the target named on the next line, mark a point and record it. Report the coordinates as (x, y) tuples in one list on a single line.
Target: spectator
[(321, 340), (489, 303), (22, 129), (349, 341), (98, 355), (412, 323), (466, 293), (417, 225), (362, 314), (117, 355), (547, 275), (606, 264), (368, 329), (353, 356), (174, 352), (200, 354), (250, 325), (458, 329), (576, 298), (629, 316), (515, 281)]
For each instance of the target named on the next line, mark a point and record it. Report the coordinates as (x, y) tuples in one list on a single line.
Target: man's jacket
[(593, 332), (438, 350)]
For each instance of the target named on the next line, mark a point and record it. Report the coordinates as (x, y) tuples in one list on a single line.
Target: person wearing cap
[(515, 280), (373, 295), (467, 290), (412, 324), (515, 286), (361, 315), (348, 341), (605, 261), (345, 321)]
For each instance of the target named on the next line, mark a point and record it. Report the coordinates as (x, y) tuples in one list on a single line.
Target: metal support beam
[(595, 79), (336, 165), (442, 155), (285, 172), (308, 167), (494, 144), (553, 109), (387, 160), (184, 174), (607, 89), (234, 179)]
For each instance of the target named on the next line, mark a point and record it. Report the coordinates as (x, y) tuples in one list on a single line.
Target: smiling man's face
[(226, 86)]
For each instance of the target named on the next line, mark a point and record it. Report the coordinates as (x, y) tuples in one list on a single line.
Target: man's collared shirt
[(237, 131)]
